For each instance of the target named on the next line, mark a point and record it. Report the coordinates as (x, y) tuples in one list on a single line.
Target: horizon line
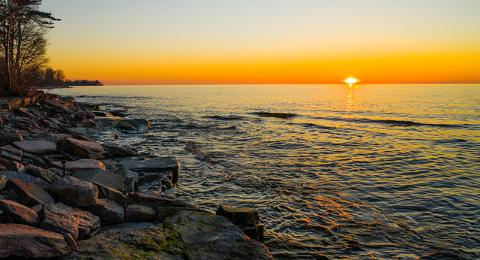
[(263, 83)]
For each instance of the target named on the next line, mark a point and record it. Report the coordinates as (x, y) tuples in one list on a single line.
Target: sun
[(351, 81)]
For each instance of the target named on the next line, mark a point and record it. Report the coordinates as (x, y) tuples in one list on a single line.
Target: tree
[(22, 42)]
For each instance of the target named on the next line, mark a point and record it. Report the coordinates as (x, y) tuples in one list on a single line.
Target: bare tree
[(22, 42)]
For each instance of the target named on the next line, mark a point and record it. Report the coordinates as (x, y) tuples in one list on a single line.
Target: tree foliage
[(22, 43)]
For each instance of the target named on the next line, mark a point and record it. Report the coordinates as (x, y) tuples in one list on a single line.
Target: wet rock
[(105, 192), (75, 192), (37, 146), (133, 124), (185, 236), (139, 213), (79, 224), (29, 242), (115, 151), (85, 149), (106, 122), (246, 219), (108, 211), (239, 216), (28, 194), (164, 169), (18, 213), (131, 179)]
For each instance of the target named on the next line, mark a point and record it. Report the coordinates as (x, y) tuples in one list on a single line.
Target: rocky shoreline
[(66, 194)]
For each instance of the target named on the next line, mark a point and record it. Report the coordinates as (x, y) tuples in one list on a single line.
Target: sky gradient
[(266, 41)]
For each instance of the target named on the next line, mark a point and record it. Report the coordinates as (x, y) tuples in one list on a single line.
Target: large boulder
[(27, 178), (188, 235), (18, 213), (108, 211), (85, 149), (36, 146), (75, 192), (21, 241), (28, 194), (79, 224), (139, 213)]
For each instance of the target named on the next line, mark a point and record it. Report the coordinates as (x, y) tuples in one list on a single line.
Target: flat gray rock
[(37, 146)]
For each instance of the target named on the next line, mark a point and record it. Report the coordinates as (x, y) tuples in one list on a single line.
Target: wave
[(315, 126), (276, 115), (392, 122), (225, 118)]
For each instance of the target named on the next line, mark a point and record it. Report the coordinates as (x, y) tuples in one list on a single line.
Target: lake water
[(376, 171)]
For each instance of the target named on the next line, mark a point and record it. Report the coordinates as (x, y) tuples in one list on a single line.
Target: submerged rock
[(188, 235), (246, 219), (165, 169), (133, 124), (29, 242)]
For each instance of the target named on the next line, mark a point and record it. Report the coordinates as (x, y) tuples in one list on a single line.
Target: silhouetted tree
[(22, 43)]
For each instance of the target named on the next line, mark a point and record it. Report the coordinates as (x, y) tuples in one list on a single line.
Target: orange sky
[(281, 41)]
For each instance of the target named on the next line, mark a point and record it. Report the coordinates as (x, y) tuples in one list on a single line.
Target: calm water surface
[(378, 171)]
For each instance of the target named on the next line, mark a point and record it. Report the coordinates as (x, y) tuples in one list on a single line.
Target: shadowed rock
[(188, 235), (85, 149), (75, 192), (29, 242), (37, 147), (108, 211), (18, 213), (140, 213), (105, 192), (111, 180), (28, 194)]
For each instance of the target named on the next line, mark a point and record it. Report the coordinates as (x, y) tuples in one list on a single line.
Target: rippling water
[(377, 171)]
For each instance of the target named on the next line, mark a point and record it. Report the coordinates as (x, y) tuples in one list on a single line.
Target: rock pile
[(62, 194)]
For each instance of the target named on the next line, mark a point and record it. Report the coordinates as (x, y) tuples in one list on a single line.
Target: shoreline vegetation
[(66, 193)]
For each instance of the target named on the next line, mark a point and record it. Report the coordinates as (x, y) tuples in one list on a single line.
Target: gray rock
[(75, 192), (188, 235), (85, 149), (18, 213), (110, 180), (37, 146), (115, 151), (79, 224), (155, 201), (42, 173), (133, 124), (29, 242), (105, 192), (28, 194), (108, 211), (106, 122), (85, 164), (139, 213), (246, 219), (25, 178), (165, 169)]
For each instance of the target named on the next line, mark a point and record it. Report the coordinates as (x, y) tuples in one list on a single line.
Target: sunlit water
[(378, 171)]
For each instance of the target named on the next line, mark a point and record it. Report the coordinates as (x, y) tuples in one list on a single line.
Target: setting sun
[(351, 81)]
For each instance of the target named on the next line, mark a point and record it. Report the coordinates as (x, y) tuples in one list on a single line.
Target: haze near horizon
[(268, 41)]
